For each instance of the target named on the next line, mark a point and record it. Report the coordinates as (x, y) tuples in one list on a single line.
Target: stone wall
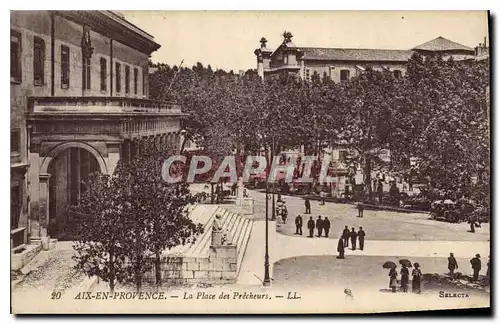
[(219, 267)]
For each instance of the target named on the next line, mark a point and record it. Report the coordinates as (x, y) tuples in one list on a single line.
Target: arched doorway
[(68, 169)]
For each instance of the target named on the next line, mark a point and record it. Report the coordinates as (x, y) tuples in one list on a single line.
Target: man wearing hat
[(452, 265), (476, 267)]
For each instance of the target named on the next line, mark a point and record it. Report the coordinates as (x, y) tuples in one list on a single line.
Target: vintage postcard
[(232, 162)]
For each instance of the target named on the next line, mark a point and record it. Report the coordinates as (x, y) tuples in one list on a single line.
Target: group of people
[(353, 236), (416, 274), (322, 225), (475, 264)]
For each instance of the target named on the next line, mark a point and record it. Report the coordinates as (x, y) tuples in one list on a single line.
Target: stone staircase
[(239, 229)]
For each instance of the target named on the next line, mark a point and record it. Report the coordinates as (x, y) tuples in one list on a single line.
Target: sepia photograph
[(250, 162)]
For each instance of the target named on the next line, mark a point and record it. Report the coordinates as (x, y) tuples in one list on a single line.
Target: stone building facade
[(79, 103), (342, 64)]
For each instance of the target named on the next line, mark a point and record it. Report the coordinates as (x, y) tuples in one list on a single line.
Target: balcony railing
[(100, 105)]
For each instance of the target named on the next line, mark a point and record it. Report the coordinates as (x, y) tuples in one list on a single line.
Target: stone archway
[(68, 165)]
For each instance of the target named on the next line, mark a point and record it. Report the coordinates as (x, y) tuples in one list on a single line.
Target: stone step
[(241, 227), (203, 214), (243, 245), (241, 236), (236, 228)]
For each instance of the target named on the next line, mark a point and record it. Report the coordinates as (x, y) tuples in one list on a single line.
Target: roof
[(442, 44), (355, 54)]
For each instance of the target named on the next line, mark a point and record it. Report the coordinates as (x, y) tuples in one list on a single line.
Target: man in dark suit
[(353, 236), (345, 236), (326, 226), (307, 203), (476, 267), (361, 237), (452, 265), (310, 226), (319, 226), (340, 249), (298, 225)]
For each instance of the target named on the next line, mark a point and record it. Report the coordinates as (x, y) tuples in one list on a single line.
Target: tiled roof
[(442, 44), (355, 54)]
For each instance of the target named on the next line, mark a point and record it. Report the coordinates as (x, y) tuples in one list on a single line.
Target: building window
[(127, 79), (15, 206), (64, 67), (344, 75), (397, 74), (285, 59), (15, 141), (104, 74), (118, 77), (15, 56), (136, 76), (38, 61), (86, 74)]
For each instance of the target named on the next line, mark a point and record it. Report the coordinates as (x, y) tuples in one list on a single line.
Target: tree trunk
[(111, 273), (158, 267), (368, 176), (138, 280), (211, 193)]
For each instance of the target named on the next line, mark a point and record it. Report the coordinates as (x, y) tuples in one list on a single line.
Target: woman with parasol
[(393, 274), (405, 277), (416, 278)]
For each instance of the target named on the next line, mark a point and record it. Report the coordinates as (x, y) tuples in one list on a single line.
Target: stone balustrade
[(100, 105)]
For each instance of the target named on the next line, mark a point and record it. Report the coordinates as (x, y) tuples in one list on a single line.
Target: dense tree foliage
[(437, 113)]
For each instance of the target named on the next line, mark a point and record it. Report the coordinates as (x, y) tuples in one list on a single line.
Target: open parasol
[(405, 262), (448, 202), (389, 265)]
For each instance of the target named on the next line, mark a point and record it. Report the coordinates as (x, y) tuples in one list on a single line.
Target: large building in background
[(79, 103), (341, 64)]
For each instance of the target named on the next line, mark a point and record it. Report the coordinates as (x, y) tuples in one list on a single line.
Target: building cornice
[(112, 26)]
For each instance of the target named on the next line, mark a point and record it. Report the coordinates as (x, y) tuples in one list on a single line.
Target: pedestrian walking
[(393, 279), (476, 267), (307, 204), (360, 210), (353, 235), (284, 213), (298, 225), (319, 226), (340, 249), (380, 191), (326, 226), (233, 189), (416, 278), (345, 236), (310, 226), (361, 237), (452, 265), (405, 278), (322, 196)]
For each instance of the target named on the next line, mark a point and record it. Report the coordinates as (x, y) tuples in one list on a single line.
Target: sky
[(227, 39)]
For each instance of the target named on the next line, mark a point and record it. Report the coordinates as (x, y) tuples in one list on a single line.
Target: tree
[(124, 221), (98, 224), (367, 106), (157, 215), (447, 124)]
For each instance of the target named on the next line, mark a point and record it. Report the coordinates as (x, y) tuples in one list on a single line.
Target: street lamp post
[(274, 189), (267, 280)]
